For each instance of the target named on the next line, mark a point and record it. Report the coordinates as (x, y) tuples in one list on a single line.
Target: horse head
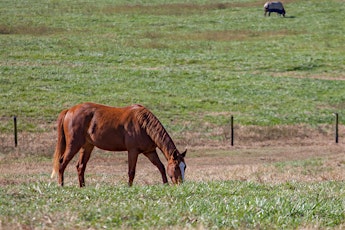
[(176, 167)]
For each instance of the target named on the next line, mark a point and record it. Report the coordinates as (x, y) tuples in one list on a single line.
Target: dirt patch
[(273, 164), (231, 35), (263, 154), (176, 8), (329, 76), (28, 29), (181, 8), (263, 164)]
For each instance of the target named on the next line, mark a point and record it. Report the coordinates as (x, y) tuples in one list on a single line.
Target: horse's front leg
[(84, 157), (153, 157), (132, 163)]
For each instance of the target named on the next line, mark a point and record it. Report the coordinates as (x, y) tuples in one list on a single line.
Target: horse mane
[(156, 131)]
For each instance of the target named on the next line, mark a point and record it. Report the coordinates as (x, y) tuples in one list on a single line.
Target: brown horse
[(134, 129)]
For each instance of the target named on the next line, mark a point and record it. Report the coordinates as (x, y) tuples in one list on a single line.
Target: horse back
[(108, 128)]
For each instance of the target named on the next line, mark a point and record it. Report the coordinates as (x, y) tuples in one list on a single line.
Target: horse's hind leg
[(84, 157), (67, 157), (153, 157)]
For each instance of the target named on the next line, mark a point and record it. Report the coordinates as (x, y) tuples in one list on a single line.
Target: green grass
[(182, 60), (226, 204), (193, 64)]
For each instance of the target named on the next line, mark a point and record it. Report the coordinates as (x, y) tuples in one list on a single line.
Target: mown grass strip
[(227, 204)]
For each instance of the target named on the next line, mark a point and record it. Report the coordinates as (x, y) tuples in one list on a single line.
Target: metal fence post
[(15, 131), (336, 127), (232, 130)]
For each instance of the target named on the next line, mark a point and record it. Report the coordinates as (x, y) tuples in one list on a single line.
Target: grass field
[(194, 64), (268, 188), (185, 61)]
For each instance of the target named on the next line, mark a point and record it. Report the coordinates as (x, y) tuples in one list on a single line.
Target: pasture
[(193, 64)]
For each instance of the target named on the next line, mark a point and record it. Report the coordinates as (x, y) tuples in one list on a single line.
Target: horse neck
[(162, 139), (166, 145), (157, 132)]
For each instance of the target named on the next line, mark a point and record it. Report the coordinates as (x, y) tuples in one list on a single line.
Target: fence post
[(232, 130), (15, 131), (336, 127)]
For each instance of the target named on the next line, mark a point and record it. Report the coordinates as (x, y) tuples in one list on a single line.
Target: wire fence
[(231, 135)]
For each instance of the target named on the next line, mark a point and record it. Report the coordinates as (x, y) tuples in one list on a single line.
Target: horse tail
[(61, 143)]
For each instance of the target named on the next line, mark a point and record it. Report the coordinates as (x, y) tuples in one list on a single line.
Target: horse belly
[(110, 141), (119, 141)]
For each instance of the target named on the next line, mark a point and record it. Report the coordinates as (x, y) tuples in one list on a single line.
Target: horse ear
[(175, 154), (184, 153)]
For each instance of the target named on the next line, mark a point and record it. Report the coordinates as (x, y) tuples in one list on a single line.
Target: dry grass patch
[(271, 164), (180, 8), (230, 35), (30, 30), (263, 154), (216, 137), (174, 8), (331, 76), (218, 36)]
